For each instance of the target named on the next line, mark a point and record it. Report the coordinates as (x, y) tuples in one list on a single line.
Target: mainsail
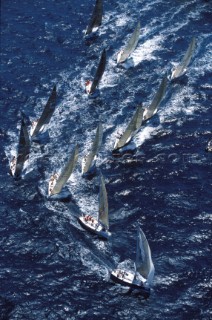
[(94, 149), (144, 264), (103, 204), (47, 112), (131, 129), (66, 172), (152, 109), (23, 149), (131, 45), (96, 18), (181, 68), (99, 72)]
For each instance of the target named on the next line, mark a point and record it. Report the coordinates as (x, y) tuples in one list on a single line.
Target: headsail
[(96, 18), (131, 45), (131, 129), (23, 149), (181, 68), (66, 172), (94, 149), (103, 204), (47, 112), (144, 264), (152, 109), (99, 72)]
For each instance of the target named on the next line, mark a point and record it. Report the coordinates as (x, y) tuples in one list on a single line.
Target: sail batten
[(47, 112), (96, 18), (131, 45), (99, 72), (152, 109), (131, 129), (94, 148), (103, 204), (181, 68), (66, 172), (144, 264)]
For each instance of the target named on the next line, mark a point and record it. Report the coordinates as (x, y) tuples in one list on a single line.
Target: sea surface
[(50, 267)]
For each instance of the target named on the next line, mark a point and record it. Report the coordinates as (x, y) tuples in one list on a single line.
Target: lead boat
[(89, 161), (91, 86), (181, 68), (152, 109), (17, 163), (57, 181), (124, 54), (99, 226), (142, 277), (129, 133), (38, 126), (96, 18)]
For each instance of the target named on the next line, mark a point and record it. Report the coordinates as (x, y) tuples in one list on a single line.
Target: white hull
[(127, 278), (91, 170), (52, 183), (13, 166), (91, 224)]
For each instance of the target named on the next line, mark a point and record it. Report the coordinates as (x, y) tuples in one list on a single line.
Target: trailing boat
[(89, 161), (124, 54), (38, 126), (130, 131), (17, 163), (96, 18), (91, 86), (181, 68), (142, 277), (99, 226), (57, 181), (152, 109)]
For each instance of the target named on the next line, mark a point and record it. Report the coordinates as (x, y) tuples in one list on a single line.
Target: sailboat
[(152, 109), (38, 126), (99, 226), (181, 68), (57, 181), (124, 54), (142, 276), (88, 162), (91, 86), (131, 129), (17, 163), (96, 18)]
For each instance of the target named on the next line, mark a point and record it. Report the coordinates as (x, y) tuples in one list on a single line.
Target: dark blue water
[(50, 268)]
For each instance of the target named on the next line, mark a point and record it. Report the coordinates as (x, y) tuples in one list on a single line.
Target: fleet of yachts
[(142, 276)]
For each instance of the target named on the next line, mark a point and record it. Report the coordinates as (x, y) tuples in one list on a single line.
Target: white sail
[(17, 163), (144, 264), (181, 68), (96, 18), (47, 112), (152, 109), (66, 172), (131, 45), (103, 204), (94, 149), (131, 129)]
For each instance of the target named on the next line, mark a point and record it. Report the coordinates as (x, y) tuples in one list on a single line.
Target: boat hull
[(94, 226), (126, 278)]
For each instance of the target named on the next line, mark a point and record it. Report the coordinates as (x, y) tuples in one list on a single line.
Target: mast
[(94, 149), (66, 172), (131, 129), (99, 72), (96, 18), (152, 109), (103, 203), (181, 68), (131, 45), (47, 112), (23, 149)]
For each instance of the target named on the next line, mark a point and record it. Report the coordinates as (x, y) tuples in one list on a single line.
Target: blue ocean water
[(50, 267)]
